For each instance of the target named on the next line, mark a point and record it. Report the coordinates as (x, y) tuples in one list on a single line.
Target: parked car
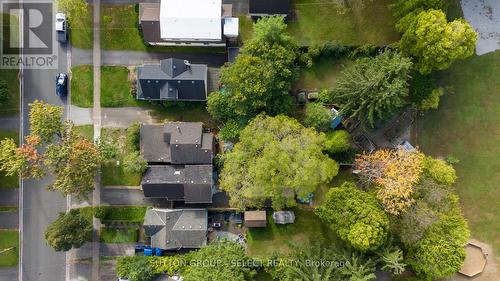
[(61, 28), (62, 84)]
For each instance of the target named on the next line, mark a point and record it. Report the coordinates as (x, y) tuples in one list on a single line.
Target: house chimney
[(166, 137)]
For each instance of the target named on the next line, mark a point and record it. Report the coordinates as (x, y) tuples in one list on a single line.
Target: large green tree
[(356, 217), (405, 11), (74, 161), (317, 116), (373, 89), (69, 230), (434, 43), (222, 260), (275, 158), (45, 120), (260, 78)]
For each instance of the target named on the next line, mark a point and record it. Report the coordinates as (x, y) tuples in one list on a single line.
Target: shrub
[(4, 91), (100, 212), (134, 268), (325, 97), (317, 116), (133, 137), (108, 149), (439, 170), (432, 102), (230, 131), (367, 50), (134, 163), (421, 87), (337, 141)]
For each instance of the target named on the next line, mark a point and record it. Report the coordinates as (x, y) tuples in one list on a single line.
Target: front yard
[(11, 105), (318, 21), (466, 127), (9, 242), (119, 235)]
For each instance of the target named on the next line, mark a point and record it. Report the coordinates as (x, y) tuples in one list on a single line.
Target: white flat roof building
[(191, 20)]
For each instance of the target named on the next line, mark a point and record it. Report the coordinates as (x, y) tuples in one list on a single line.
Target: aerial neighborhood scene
[(250, 140)]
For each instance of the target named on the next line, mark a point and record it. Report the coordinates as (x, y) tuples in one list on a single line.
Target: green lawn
[(86, 131), (319, 21), (9, 181), (112, 171), (81, 30), (245, 28), (343, 176), (8, 208), (119, 235), (119, 31), (11, 106), (82, 86), (9, 238), (263, 241), (322, 74), (115, 89), (125, 213), (466, 126)]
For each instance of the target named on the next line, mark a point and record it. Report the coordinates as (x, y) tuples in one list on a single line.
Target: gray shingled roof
[(189, 183), (171, 229), (172, 79), (176, 143)]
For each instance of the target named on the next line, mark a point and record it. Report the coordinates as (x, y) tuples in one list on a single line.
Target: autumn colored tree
[(24, 160), (75, 162), (393, 172), (276, 158), (434, 43), (356, 216), (45, 120)]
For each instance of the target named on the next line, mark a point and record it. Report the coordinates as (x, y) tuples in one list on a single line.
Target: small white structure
[(284, 217), (231, 26)]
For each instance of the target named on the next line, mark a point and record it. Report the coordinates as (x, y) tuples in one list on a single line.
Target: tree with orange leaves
[(393, 173), (24, 161)]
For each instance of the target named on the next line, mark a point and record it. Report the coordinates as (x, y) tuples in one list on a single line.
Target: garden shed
[(255, 219), (284, 217)]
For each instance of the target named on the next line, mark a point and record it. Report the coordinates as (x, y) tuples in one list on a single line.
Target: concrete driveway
[(9, 220)]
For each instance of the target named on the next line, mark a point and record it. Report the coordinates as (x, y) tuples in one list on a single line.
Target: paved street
[(126, 58), (40, 207), (9, 197)]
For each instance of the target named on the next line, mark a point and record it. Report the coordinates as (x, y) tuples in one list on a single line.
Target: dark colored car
[(62, 84)]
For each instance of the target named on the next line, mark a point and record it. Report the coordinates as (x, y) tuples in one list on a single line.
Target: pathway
[(123, 117), (131, 58), (9, 220), (9, 196), (9, 123), (96, 195), (484, 17)]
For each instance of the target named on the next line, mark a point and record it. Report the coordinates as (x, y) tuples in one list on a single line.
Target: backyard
[(9, 252), (466, 127), (262, 242), (323, 73), (318, 21)]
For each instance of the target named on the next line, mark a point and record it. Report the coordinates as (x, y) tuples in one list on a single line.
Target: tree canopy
[(222, 260), (276, 158), (73, 8), (259, 80), (356, 217), (434, 43), (69, 230), (317, 116), (45, 120), (373, 89), (405, 11), (25, 161)]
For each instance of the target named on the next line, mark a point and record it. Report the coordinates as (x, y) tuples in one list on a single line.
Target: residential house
[(175, 229), (172, 80), (180, 157), (263, 8), (187, 22)]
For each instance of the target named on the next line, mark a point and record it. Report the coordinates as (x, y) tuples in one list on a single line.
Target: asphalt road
[(40, 207)]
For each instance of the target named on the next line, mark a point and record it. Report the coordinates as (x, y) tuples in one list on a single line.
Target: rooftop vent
[(177, 172)]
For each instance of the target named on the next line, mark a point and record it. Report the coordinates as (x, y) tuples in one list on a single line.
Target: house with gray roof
[(175, 229), (180, 143), (180, 157), (191, 184), (172, 79)]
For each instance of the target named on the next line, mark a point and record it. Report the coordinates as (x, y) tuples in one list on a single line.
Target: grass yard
[(81, 30), (119, 235), (112, 171), (263, 241), (322, 74), (8, 239), (11, 106), (9, 181), (125, 213), (115, 89), (319, 21), (86, 131), (120, 31), (82, 86), (343, 176), (466, 126), (8, 208)]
